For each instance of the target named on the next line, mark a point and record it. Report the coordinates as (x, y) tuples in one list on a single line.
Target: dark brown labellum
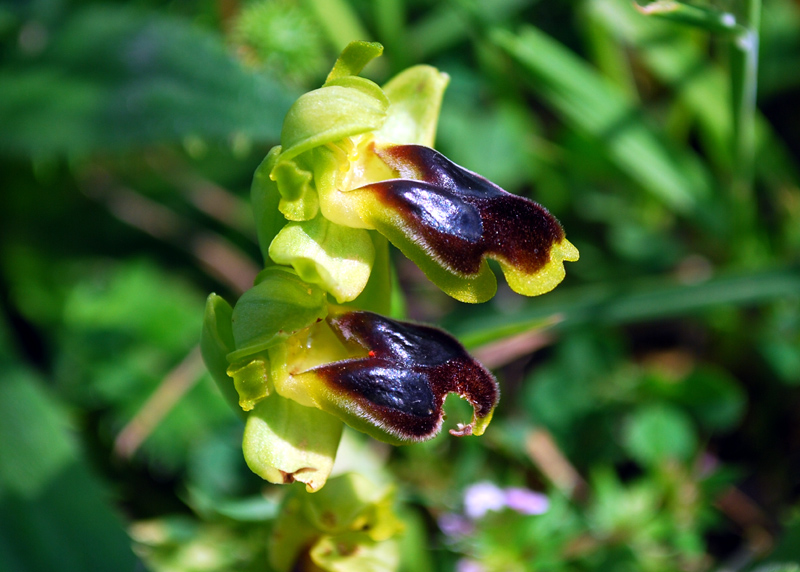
[(460, 217), (408, 370)]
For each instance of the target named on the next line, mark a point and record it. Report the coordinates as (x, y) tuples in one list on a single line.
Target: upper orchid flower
[(307, 348), (354, 156)]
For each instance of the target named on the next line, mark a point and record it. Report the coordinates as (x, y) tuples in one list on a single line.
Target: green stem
[(744, 78)]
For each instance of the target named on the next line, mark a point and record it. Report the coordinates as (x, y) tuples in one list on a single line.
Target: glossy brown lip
[(401, 383), (460, 217)]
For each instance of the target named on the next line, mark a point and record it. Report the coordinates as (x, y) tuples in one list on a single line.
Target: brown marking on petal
[(460, 217), (402, 381)]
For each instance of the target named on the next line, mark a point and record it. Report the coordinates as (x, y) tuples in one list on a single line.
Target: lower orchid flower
[(308, 347)]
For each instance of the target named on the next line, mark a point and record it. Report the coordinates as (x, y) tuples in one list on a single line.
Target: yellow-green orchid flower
[(307, 348)]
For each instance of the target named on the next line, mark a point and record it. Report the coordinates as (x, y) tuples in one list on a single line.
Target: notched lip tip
[(462, 430)]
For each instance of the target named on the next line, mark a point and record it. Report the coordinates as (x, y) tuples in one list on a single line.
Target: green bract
[(309, 347)]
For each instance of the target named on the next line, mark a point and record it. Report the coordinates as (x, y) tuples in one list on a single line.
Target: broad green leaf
[(56, 514), (624, 303), (33, 443)]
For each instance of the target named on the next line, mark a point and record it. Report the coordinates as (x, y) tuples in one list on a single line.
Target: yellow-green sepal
[(279, 305), (353, 58), (415, 99), (355, 552), (266, 198), (216, 342), (332, 113)]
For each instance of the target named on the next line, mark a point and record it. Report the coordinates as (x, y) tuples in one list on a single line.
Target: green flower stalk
[(309, 348)]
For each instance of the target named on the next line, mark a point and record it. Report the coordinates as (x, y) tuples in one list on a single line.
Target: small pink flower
[(526, 501), (481, 498)]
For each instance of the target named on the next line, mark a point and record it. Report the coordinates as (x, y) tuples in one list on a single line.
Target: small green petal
[(298, 197), (353, 58), (251, 380), (415, 97), (334, 257), (285, 442), (216, 342), (272, 310)]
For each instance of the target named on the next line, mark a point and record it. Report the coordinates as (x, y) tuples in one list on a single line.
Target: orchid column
[(309, 347)]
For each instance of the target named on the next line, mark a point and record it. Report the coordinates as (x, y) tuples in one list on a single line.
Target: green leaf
[(115, 77), (702, 17), (56, 514), (593, 106), (710, 394), (33, 445), (624, 303), (658, 433)]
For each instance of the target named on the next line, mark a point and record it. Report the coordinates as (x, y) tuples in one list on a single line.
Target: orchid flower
[(309, 347)]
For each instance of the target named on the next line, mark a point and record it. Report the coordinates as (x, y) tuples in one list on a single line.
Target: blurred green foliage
[(657, 410)]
